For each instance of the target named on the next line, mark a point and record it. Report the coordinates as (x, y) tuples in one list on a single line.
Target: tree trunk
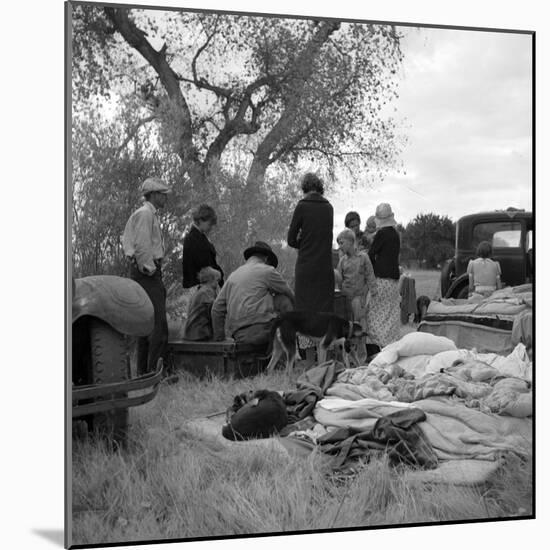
[(282, 135), (186, 149)]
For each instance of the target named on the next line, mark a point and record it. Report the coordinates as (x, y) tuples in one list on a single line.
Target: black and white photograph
[(302, 269), (298, 293), (302, 274)]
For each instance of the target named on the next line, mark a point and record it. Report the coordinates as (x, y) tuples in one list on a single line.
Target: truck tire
[(461, 293), (445, 279), (109, 364)]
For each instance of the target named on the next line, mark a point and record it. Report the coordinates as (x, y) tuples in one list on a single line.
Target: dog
[(327, 329), (422, 303)]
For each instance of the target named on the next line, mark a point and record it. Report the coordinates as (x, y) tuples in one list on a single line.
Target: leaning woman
[(383, 314), (310, 232)]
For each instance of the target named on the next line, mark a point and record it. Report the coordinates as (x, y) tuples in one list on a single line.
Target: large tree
[(281, 89)]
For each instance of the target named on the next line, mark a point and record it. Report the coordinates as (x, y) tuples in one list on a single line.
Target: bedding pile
[(448, 414), (439, 403)]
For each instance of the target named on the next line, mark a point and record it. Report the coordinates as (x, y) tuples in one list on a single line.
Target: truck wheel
[(109, 364), (445, 279), (462, 293)]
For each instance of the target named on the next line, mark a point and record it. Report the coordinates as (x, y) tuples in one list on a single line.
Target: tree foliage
[(431, 237), (284, 89)]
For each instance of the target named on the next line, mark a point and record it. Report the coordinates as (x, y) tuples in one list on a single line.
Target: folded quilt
[(453, 430)]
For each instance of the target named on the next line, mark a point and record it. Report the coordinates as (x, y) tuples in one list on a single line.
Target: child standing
[(199, 317), (358, 278)]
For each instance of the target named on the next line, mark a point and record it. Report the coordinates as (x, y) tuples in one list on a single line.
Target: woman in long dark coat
[(311, 233)]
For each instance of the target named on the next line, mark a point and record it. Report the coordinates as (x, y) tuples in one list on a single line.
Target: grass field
[(169, 484), (426, 283)]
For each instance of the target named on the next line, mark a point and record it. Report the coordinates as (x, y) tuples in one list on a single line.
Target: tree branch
[(201, 82), (136, 38), (300, 73), (133, 132)]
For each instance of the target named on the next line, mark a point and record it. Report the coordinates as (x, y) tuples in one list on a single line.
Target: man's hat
[(262, 248), (154, 184)]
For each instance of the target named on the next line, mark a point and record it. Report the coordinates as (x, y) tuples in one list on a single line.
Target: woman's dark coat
[(384, 253), (311, 233), (198, 252)]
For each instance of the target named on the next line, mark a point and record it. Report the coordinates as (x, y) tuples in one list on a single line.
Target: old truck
[(107, 312), (509, 231)]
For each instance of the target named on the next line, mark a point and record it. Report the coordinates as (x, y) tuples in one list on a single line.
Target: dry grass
[(426, 283), (168, 484)]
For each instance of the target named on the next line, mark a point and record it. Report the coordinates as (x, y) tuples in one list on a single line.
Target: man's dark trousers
[(151, 347)]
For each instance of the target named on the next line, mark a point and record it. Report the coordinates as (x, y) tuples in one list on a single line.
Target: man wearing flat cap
[(144, 248), (251, 298)]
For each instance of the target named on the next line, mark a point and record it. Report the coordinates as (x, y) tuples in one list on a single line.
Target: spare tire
[(109, 364)]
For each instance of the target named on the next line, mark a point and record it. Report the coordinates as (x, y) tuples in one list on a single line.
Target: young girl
[(358, 278), (199, 314), (483, 272)]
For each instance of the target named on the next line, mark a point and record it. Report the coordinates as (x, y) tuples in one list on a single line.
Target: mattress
[(490, 325)]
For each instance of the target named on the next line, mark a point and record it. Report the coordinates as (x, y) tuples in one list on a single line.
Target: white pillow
[(423, 343), (385, 357)]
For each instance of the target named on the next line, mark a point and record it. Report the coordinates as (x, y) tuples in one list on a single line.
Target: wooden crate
[(222, 359)]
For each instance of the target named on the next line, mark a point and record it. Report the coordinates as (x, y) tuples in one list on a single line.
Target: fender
[(456, 284), (119, 301)]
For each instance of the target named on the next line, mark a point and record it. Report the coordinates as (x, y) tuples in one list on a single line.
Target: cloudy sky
[(465, 104)]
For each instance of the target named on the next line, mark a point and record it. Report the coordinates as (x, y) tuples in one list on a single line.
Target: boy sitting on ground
[(199, 318)]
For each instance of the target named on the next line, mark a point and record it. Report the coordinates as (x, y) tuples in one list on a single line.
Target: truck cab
[(510, 233)]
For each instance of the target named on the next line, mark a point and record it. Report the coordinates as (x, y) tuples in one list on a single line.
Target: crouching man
[(251, 298)]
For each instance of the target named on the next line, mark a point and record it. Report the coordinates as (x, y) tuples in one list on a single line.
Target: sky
[(465, 102)]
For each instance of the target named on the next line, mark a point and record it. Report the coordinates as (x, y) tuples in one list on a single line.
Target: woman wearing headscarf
[(310, 232), (383, 315)]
